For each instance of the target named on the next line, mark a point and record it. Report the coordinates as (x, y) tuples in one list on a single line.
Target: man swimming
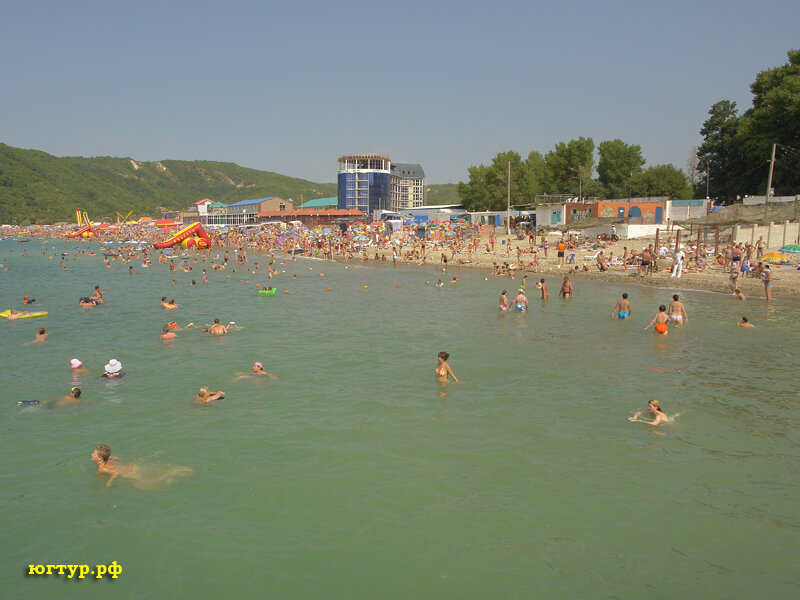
[(218, 328), (622, 308)]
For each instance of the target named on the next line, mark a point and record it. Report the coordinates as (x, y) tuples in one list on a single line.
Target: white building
[(408, 186)]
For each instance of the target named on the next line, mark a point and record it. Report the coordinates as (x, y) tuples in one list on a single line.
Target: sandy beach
[(713, 279)]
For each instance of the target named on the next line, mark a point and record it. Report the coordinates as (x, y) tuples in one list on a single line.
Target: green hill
[(36, 187)]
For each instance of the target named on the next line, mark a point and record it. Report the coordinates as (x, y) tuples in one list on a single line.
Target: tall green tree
[(487, 188), (570, 165), (618, 161), (662, 180), (719, 155), (774, 119)]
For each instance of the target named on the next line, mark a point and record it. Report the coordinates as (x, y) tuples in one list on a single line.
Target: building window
[(281, 206)]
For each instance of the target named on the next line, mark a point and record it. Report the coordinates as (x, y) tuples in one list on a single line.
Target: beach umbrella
[(775, 257), (792, 248)]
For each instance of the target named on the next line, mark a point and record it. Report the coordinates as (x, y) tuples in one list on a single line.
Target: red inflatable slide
[(193, 232)]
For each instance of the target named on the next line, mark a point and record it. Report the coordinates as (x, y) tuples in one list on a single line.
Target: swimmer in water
[(27, 300), (73, 398), (743, 322), (41, 336), (660, 319), (654, 410), (204, 396), (143, 477), (739, 295), (443, 370), (218, 328), (167, 333), (258, 369), (504, 301), (622, 308)]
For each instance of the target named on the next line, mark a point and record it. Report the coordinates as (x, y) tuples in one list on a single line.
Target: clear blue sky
[(288, 87)]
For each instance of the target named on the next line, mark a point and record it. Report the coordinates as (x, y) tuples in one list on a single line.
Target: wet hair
[(163, 298), (216, 321), (204, 391), (165, 329), (104, 452), (172, 301), (41, 330), (625, 295), (656, 404), (541, 280), (504, 292), (744, 319), (675, 297), (76, 392), (662, 308), (444, 355)]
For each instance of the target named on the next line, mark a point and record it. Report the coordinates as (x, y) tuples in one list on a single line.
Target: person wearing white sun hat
[(113, 369)]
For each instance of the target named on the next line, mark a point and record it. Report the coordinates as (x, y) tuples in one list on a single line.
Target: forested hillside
[(36, 187)]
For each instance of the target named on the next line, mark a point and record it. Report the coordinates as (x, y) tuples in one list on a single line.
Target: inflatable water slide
[(191, 236)]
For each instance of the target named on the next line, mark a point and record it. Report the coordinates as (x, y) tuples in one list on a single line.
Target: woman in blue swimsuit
[(622, 308)]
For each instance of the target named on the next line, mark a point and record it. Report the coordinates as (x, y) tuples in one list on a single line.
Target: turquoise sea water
[(356, 476)]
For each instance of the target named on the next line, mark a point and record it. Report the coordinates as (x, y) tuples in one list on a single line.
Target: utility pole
[(508, 215), (769, 182)]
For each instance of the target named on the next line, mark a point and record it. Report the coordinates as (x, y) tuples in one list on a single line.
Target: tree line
[(730, 162)]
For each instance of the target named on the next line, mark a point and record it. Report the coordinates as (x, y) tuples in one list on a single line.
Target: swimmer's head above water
[(102, 452)]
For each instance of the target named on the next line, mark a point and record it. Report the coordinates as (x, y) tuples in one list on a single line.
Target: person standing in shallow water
[(622, 308), (443, 370), (660, 320)]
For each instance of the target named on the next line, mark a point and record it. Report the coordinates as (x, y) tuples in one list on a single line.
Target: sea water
[(354, 475)]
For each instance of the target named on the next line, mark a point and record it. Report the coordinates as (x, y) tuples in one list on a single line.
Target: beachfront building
[(635, 211), (408, 186), (311, 217), (365, 182), (238, 213), (321, 203)]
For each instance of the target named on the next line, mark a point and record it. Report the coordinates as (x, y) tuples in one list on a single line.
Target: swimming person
[(204, 396), (167, 333), (218, 329), (654, 410), (743, 322), (143, 477), (77, 366), (622, 308), (504, 300), (677, 312), (443, 370), (113, 369), (73, 398), (660, 320), (41, 336), (258, 369)]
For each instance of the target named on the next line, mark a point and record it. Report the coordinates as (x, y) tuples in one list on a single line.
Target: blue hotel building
[(365, 182)]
